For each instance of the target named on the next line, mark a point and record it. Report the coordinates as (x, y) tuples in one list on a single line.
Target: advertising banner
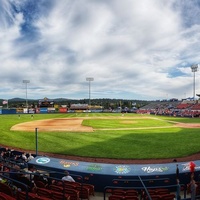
[(31, 110), (43, 110), (19, 110), (37, 110), (51, 110), (62, 110)]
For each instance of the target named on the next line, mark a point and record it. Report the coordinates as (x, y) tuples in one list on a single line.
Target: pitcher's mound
[(59, 124)]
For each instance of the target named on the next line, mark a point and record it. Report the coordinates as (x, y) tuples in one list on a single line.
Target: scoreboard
[(47, 103)]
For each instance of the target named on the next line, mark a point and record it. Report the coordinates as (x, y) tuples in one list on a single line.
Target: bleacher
[(195, 106), (177, 108)]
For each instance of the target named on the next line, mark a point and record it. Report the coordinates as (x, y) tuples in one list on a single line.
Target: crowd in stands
[(176, 109), (21, 158)]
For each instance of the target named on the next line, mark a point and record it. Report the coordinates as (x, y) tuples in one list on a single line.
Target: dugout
[(101, 174)]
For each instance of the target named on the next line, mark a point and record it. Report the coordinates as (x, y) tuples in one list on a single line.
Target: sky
[(132, 49)]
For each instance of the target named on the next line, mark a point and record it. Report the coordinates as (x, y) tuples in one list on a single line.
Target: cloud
[(133, 49)]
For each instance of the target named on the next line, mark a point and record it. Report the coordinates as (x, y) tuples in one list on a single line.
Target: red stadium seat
[(4, 196), (115, 197), (59, 196), (43, 192), (6, 189)]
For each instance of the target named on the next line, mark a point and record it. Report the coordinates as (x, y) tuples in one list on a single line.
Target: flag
[(5, 102)]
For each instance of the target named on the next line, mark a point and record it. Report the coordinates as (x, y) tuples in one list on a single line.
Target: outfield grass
[(108, 140)]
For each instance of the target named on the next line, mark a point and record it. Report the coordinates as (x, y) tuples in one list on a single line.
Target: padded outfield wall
[(42, 110), (31, 111)]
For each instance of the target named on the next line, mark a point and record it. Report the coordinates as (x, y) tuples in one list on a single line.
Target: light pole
[(194, 69), (89, 79), (26, 83)]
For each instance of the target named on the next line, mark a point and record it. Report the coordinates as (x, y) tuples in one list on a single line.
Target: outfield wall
[(42, 110)]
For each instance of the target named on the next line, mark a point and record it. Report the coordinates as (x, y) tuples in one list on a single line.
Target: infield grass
[(115, 136)]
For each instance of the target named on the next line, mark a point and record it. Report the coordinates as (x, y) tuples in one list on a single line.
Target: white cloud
[(133, 49)]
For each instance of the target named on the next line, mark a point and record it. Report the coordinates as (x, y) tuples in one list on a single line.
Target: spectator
[(7, 153), (30, 157), (192, 187), (41, 177), (178, 191), (2, 155), (23, 179), (6, 170), (31, 171), (24, 157), (67, 177)]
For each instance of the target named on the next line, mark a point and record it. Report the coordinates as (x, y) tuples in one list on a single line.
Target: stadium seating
[(131, 198), (59, 196), (74, 194), (4, 196), (183, 106), (118, 192), (75, 191), (74, 185), (84, 193), (42, 198), (4, 188), (43, 192), (56, 188), (21, 195), (167, 196), (153, 197), (115, 197), (40, 184)]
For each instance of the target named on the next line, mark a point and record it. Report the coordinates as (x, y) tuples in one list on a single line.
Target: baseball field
[(103, 135)]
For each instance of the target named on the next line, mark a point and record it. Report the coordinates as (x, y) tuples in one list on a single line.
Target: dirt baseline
[(74, 125), (57, 124)]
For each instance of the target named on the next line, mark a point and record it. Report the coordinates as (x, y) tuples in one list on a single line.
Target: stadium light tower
[(89, 79), (194, 69), (26, 83)]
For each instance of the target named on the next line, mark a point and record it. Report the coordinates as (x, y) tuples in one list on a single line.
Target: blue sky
[(133, 49)]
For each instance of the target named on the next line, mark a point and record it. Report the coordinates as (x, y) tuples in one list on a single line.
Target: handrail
[(13, 180), (145, 188)]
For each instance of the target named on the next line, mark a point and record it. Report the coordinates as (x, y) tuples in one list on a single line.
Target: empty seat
[(167, 196), (21, 195), (115, 197), (6, 189), (90, 187), (43, 192), (42, 198), (74, 194), (84, 193), (150, 191), (118, 192), (70, 185), (59, 196), (131, 192), (56, 188), (131, 197), (4, 196), (40, 184)]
